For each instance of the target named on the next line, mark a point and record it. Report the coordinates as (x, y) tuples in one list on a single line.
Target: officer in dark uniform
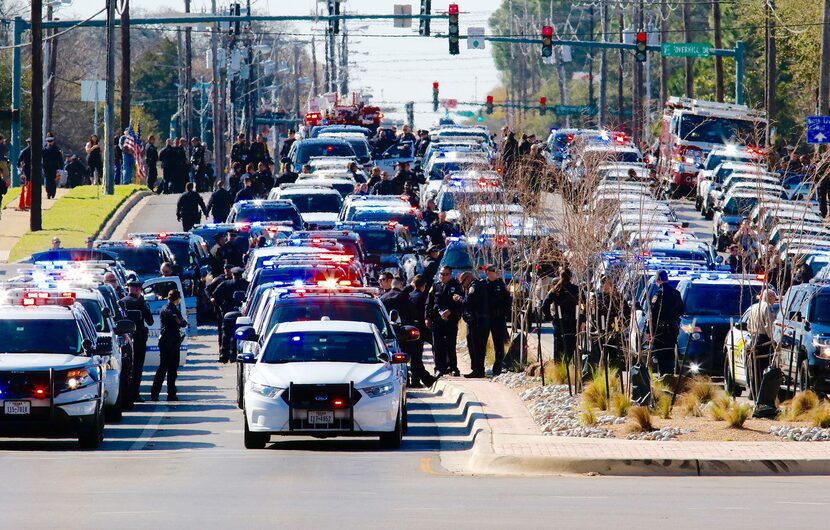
[(499, 306), (431, 264), (415, 349), (666, 309), (190, 207), (476, 314), (143, 317), (170, 341), (562, 307), (220, 203), (442, 314), (223, 297), (396, 299), (610, 311), (440, 230), (210, 289)]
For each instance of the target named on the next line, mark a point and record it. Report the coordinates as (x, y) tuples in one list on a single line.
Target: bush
[(641, 419), (800, 405), (619, 405), (738, 414), (821, 416), (703, 389), (690, 405), (663, 406), (720, 407)]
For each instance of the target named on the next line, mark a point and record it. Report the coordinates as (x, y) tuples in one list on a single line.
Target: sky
[(395, 69)]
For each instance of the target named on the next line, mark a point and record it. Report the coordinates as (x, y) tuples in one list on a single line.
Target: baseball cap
[(663, 276)]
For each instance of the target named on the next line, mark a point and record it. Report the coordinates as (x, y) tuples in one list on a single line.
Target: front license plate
[(320, 417), (17, 407)]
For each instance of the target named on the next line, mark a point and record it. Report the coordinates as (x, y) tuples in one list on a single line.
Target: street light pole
[(125, 65), (109, 105), (35, 220)]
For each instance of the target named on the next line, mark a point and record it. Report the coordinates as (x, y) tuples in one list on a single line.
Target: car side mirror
[(86, 345), (243, 321), (408, 333), (125, 327), (394, 316), (106, 313), (247, 358), (719, 260), (246, 334), (239, 296)]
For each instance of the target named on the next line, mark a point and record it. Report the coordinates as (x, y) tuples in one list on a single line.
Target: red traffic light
[(543, 100), (435, 85), (453, 9), (642, 37), (489, 99), (547, 31)]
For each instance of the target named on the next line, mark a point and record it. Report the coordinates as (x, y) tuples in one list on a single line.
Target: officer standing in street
[(170, 341), (223, 296), (476, 314), (210, 289), (190, 207), (442, 314), (415, 349), (431, 264), (499, 306), (142, 317), (396, 299), (666, 310), (220, 203), (759, 324)]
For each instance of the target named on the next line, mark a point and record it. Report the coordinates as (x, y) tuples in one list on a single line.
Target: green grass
[(74, 217), (11, 197)]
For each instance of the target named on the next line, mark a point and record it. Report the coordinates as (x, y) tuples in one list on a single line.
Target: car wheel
[(729, 383), (392, 440), (91, 436), (115, 413), (804, 381), (239, 385), (255, 440), (405, 419)]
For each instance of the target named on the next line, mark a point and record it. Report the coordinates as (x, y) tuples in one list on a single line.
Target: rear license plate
[(17, 407), (321, 417)]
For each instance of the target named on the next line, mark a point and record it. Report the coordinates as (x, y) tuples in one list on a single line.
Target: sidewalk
[(15, 223)]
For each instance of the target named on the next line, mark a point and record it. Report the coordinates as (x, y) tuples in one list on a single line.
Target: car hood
[(282, 375), (320, 217), (710, 321), (41, 361)]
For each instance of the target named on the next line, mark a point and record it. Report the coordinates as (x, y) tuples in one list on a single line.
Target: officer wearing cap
[(170, 341), (476, 314), (666, 308), (211, 292), (139, 312), (431, 264), (499, 303), (224, 297), (443, 311)]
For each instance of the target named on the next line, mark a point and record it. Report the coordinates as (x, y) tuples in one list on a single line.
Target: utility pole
[(603, 67), (620, 100), (718, 44), (590, 59), (297, 75), (217, 101), (824, 69), (344, 62), (188, 81), (315, 82), (248, 97), (49, 75), (35, 220), (687, 35), (109, 105), (772, 67), (664, 61), (125, 65), (637, 88)]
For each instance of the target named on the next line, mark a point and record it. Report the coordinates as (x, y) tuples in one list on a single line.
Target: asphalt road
[(183, 465)]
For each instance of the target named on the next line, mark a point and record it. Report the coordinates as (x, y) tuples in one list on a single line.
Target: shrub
[(663, 406), (737, 414), (703, 389), (619, 405), (690, 405), (821, 416), (720, 407), (801, 404), (641, 419), (588, 416)]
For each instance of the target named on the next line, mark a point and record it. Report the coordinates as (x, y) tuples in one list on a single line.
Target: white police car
[(325, 378)]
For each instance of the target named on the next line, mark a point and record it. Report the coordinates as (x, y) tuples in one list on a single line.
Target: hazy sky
[(397, 69)]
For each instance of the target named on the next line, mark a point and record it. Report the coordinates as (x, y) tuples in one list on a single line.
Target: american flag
[(133, 145)]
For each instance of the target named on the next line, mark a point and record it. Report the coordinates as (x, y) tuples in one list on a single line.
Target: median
[(79, 214)]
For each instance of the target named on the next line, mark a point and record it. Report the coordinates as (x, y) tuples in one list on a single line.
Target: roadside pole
[(35, 221), (109, 105), (824, 69)]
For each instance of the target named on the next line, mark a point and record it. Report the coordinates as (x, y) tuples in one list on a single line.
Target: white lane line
[(141, 512), (802, 503), (149, 430)]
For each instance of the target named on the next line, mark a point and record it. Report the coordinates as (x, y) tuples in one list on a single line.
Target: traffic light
[(547, 41), (453, 28), (236, 11), (543, 101), (423, 26), (489, 105), (642, 43), (435, 96)]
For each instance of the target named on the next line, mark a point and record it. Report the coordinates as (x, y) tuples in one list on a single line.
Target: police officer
[(415, 349), (142, 317), (211, 292), (220, 203), (443, 311), (440, 230), (562, 307), (190, 207), (396, 299), (498, 306), (609, 312), (666, 310), (476, 314), (223, 296), (759, 324), (431, 264), (224, 251), (170, 341)]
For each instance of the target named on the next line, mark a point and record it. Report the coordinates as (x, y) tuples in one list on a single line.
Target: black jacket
[(24, 160), (286, 146), (441, 298), (52, 160), (289, 177), (220, 203), (190, 206), (151, 158), (75, 172), (245, 194), (137, 303), (498, 298), (239, 153), (476, 303), (399, 301), (387, 187), (666, 308), (171, 322), (224, 293)]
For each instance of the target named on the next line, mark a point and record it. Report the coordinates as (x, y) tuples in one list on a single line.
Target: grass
[(799, 406), (721, 405), (821, 416), (701, 391), (558, 373), (640, 419), (588, 416), (595, 394), (663, 406), (619, 404), (737, 414), (74, 217), (11, 197)]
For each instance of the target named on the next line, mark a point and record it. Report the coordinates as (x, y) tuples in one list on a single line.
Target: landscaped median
[(81, 213)]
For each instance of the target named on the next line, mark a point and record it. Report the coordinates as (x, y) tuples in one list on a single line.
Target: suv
[(144, 258), (802, 330), (318, 205), (301, 152), (388, 247), (259, 211)]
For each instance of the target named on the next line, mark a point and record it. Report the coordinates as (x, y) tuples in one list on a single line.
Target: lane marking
[(149, 430), (802, 503), (138, 512)]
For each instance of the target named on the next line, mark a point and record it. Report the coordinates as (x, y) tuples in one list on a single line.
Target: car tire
[(240, 402), (729, 384), (90, 437), (115, 413), (804, 381), (255, 440), (392, 440)]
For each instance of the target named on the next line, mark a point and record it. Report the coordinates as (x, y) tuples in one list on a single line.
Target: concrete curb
[(120, 213), (481, 458)]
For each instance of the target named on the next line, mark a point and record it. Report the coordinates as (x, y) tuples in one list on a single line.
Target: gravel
[(661, 435), (800, 434)]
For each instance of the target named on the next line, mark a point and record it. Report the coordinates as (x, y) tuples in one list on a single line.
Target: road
[(182, 465)]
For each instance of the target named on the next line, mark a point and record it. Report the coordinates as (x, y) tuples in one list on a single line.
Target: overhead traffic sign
[(686, 49), (475, 38), (818, 129), (574, 110), (93, 90)]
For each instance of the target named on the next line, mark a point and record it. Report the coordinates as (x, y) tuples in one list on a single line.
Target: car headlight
[(379, 390), (265, 390), (77, 378), (823, 352)]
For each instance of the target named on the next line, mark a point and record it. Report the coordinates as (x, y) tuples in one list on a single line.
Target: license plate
[(17, 407), (316, 417)]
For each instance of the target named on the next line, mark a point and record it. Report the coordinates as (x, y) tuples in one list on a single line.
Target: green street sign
[(465, 113), (686, 49), (574, 110)]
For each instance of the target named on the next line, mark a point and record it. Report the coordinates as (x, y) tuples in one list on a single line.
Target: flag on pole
[(133, 145)]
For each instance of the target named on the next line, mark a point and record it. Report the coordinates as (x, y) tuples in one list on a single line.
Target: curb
[(481, 458), (120, 213)]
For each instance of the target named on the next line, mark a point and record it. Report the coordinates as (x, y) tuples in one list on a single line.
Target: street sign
[(93, 90), (574, 110), (686, 49), (818, 129), (475, 38), (465, 113), (449, 103), (403, 9)]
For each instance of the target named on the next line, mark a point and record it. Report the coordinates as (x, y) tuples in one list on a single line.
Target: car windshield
[(448, 200), (315, 202), (720, 299), (378, 241), (262, 214), (181, 251), (821, 309), (716, 130), (94, 311), (306, 347), (307, 275), (405, 219), (306, 151), (739, 205), (685, 255), (359, 146), (142, 260), (40, 336), (335, 308), (712, 161)]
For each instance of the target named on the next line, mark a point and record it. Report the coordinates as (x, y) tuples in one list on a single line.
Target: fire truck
[(692, 127), (333, 111)]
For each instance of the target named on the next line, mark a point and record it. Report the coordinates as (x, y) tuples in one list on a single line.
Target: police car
[(388, 246), (713, 180), (143, 258), (266, 211), (51, 381), (342, 182), (319, 205), (730, 212), (737, 368), (325, 378)]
